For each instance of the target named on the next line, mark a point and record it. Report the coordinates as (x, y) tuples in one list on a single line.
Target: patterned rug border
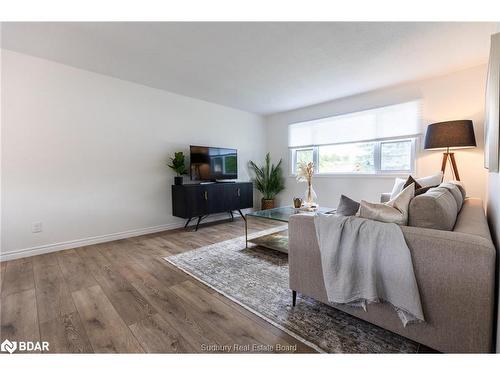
[(270, 321)]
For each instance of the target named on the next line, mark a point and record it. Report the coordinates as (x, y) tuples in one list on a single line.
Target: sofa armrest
[(304, 258), (385, 197), (455, 273)]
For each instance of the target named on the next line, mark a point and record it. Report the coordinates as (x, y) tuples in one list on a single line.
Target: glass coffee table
[(274, 235)]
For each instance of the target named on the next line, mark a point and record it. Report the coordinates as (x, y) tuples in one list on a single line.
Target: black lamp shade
[(458, 133)]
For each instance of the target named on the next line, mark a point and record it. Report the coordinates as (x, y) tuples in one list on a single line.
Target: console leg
[(246, 235), (243, 216), (294, 297), (232, 216), (187, 222), (198, 223)]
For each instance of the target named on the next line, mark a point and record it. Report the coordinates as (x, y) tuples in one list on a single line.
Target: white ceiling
[(258, 67)]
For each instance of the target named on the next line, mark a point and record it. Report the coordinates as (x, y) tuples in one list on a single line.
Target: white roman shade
[(395, 121)]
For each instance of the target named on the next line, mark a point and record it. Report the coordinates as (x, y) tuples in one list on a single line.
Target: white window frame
[(377, 159)]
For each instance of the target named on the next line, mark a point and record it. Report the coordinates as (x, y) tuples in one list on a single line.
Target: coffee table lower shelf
[(276, 241), (276, 238)]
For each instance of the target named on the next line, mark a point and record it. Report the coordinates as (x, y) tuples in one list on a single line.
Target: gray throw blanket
[(366, 261)]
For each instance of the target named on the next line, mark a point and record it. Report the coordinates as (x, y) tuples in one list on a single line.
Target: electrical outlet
[(36, 227)]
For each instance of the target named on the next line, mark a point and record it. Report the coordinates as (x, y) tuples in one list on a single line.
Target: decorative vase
[(178, 180), (267, 204), (310, 196)]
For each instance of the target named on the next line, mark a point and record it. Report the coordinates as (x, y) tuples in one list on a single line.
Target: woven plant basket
[(267, 204)]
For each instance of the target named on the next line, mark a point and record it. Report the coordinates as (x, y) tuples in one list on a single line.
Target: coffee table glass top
[(284, 213)]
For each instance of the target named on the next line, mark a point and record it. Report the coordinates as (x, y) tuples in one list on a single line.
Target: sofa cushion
[(456, 192), (436, 209), (460, 186), (347, 206), (471, 219)]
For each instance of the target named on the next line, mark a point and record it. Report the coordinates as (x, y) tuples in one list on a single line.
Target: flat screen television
[(213, 163)]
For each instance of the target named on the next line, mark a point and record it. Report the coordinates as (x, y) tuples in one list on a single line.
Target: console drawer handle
[(206, 195), (238, 192)]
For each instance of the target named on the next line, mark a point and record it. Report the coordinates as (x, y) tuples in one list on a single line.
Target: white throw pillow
[(433, 180), (394, 211), (398, 186)]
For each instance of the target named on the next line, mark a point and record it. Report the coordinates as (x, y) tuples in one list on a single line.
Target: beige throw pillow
[(394, 211)]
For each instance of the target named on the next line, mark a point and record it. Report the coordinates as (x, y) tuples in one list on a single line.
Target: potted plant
[(179, 166), (268, 180)]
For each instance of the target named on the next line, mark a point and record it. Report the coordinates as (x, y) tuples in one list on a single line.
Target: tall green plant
[(178, 163), (268, 178)]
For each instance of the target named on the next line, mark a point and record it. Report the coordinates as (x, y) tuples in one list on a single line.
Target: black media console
[(200, 200)]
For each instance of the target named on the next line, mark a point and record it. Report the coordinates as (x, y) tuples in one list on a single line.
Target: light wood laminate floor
[(122, 297)]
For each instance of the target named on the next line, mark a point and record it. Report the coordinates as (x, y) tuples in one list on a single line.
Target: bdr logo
[(24, 346)]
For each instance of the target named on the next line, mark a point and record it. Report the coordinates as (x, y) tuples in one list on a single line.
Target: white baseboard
[(50, 248)]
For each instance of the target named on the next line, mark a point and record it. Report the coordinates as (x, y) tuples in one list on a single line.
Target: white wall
[(456, 96), (85, 154)]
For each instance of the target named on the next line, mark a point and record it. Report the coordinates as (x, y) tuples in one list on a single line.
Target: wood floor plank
[(184, 242), (181, 315), (104, 327), (140, 263), (116, 254), (156, 335), (171, 247), (128, 302), (59, 321), (52, 294), (152, 245), (131, 266), (135, 274), (66, 334), (75, 271), (134, 265), (18, 276), (301, 347), (199, 284), (157, 267), (19, 321), (49, 259), (244, 331), (127, 254)]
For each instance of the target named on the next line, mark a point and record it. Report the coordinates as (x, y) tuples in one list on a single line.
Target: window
[(305, 155), (363, 157), (380, 140), (346, 158), (396, 155)]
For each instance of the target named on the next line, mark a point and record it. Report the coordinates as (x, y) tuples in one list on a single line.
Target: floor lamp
[(450, 134)]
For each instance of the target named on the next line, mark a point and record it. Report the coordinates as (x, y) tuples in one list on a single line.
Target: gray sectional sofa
[(455, 272)]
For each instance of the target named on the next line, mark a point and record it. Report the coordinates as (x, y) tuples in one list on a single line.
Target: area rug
[(257, 279)]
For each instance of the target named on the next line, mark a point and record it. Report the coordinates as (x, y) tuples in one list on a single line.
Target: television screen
[(213, 163)]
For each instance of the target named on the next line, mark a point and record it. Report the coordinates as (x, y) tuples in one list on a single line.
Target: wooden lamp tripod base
[(451, 157)]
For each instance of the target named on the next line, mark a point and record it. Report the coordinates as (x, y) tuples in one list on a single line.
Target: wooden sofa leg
[(294, 297)]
